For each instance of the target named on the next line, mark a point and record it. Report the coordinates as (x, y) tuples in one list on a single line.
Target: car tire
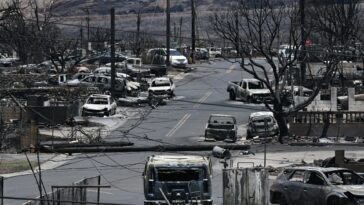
[(232, 95), (107, 113), (283, 201), (248, 135), (249, 100), (333, 201)]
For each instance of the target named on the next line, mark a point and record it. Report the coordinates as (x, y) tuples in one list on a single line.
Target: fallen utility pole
[(107, 144), (157, 148)]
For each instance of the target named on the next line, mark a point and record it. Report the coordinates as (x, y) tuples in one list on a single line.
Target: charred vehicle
[(318, 186), (262, 124), (162, 87), (249, 90), (177, 180), (221, 127)]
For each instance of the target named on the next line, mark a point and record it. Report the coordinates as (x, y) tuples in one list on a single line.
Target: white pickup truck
[(249, 90)]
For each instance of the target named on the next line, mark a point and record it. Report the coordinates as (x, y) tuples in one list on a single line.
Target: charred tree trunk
[(282, 122)]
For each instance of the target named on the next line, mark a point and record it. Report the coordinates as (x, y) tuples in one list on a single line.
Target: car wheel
[(107, 113), (249, 100), (282, 201), (232, 95), (248, 135), (333, 201), (83, 114)]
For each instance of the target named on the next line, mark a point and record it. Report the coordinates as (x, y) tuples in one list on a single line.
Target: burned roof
[(178, 160)]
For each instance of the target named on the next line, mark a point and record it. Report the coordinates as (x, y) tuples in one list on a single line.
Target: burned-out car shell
[(262, 124), (315, 186), (180, 179), (221, 127)]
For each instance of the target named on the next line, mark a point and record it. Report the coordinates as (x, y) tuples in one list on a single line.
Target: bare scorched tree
[(258, 29)]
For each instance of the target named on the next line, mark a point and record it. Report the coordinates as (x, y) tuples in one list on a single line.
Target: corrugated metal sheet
[(245, 186)]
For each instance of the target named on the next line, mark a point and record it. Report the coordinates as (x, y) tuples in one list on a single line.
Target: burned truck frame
[(177, 180), (221, 127)]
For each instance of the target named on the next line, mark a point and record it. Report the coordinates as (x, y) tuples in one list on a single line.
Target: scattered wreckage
[(317, 186), (262, 124), (221, 127), (177, 180)]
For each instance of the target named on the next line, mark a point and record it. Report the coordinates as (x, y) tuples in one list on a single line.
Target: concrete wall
[(335, 130)]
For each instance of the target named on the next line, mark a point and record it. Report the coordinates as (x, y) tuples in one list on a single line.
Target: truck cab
[(175, 179)]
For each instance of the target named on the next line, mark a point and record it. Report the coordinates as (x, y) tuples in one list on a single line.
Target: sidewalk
[(48, 161)]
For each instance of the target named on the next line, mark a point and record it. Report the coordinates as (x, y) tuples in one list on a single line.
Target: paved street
[(182, 121)]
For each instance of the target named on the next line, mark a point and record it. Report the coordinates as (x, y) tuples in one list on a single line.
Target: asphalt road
[(181, 121)]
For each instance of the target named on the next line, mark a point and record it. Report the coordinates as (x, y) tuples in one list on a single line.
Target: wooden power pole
[(168, 32), (303, 42), (112, 53), (193, 34)]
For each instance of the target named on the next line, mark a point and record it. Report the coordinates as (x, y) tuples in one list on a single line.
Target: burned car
[(99, 105), (262, 124), (162, 87), (221, 127), (173, 179), (317, 186)]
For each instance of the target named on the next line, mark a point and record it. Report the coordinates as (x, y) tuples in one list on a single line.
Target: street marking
[(178, 125), (201, 100), (231, 68)]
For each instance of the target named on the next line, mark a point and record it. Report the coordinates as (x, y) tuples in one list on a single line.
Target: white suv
[(99, 105)]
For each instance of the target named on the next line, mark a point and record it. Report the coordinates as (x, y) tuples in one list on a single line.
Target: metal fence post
[(1, 190), (98, 189)]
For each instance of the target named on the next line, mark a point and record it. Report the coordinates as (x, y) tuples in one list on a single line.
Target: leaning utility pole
[(168, 32), (112, 53), (193, 25), (303, 42)]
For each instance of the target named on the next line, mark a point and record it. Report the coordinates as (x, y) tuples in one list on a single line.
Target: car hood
[(159, 88), (354, 189), (259, 91), (178, 58), (95, 107)]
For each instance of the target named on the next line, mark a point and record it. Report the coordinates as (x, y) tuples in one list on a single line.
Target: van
[(175, 179)]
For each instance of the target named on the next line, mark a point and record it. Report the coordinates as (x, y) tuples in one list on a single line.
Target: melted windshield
[(160, 83), (256, 85), (193, 174), (98, 101)]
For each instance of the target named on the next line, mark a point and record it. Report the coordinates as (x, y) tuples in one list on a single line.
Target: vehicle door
[(293, 188), (243, 90), (88, 81), (102, 83), (172, 84), (313, 188)]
